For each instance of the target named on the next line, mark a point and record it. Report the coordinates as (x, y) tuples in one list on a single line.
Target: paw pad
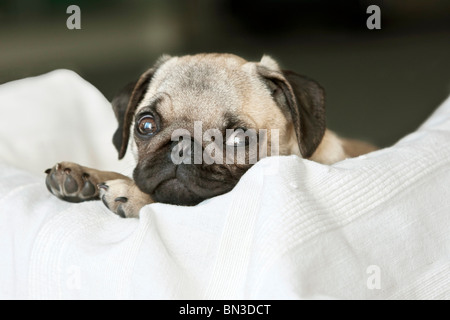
[(69, 182)]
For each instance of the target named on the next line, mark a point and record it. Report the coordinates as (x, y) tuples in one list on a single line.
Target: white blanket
[(375, 227)]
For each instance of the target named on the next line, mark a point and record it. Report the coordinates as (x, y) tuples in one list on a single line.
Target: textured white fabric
[(56, 117), (290, 229)]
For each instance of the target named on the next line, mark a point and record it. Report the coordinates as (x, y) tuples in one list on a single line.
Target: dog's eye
[(238, 139), (147, 125)]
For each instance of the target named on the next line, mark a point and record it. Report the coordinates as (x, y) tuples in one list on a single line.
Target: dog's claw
[(103, 186), (121, 212), (121, 199), (105, 202)]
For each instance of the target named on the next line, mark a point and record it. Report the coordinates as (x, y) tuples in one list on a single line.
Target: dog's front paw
[(71, 182), (123, 197)]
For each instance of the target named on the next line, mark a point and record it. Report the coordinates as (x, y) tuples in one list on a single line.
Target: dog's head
[(160, 116)]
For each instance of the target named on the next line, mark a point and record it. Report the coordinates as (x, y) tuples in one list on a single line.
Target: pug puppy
[(223, 91)]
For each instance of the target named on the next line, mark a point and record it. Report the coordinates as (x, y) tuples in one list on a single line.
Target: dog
[(223, 91)]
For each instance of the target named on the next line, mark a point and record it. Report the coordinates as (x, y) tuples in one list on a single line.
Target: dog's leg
[(123, 197), (74, 183)]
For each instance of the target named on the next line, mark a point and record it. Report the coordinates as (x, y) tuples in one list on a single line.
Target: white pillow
[(56, 117)]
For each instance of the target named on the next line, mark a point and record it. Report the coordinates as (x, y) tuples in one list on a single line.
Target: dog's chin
[(173, 191)]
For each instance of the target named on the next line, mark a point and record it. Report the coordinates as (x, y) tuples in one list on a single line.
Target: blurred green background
[(380, 84)]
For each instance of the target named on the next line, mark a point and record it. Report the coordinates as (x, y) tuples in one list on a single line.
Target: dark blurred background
[(380, 84)]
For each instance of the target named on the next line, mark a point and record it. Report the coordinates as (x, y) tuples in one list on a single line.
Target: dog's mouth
[(174, 191), (181, 185)]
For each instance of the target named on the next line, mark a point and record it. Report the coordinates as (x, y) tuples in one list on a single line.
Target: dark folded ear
[(125, 104), (124, 110), (304, 102), (120, 104)]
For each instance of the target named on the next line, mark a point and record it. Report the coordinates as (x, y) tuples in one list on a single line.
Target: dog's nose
[(182, 150)]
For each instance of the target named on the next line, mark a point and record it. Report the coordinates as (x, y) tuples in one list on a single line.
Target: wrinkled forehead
[(200, 87)]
